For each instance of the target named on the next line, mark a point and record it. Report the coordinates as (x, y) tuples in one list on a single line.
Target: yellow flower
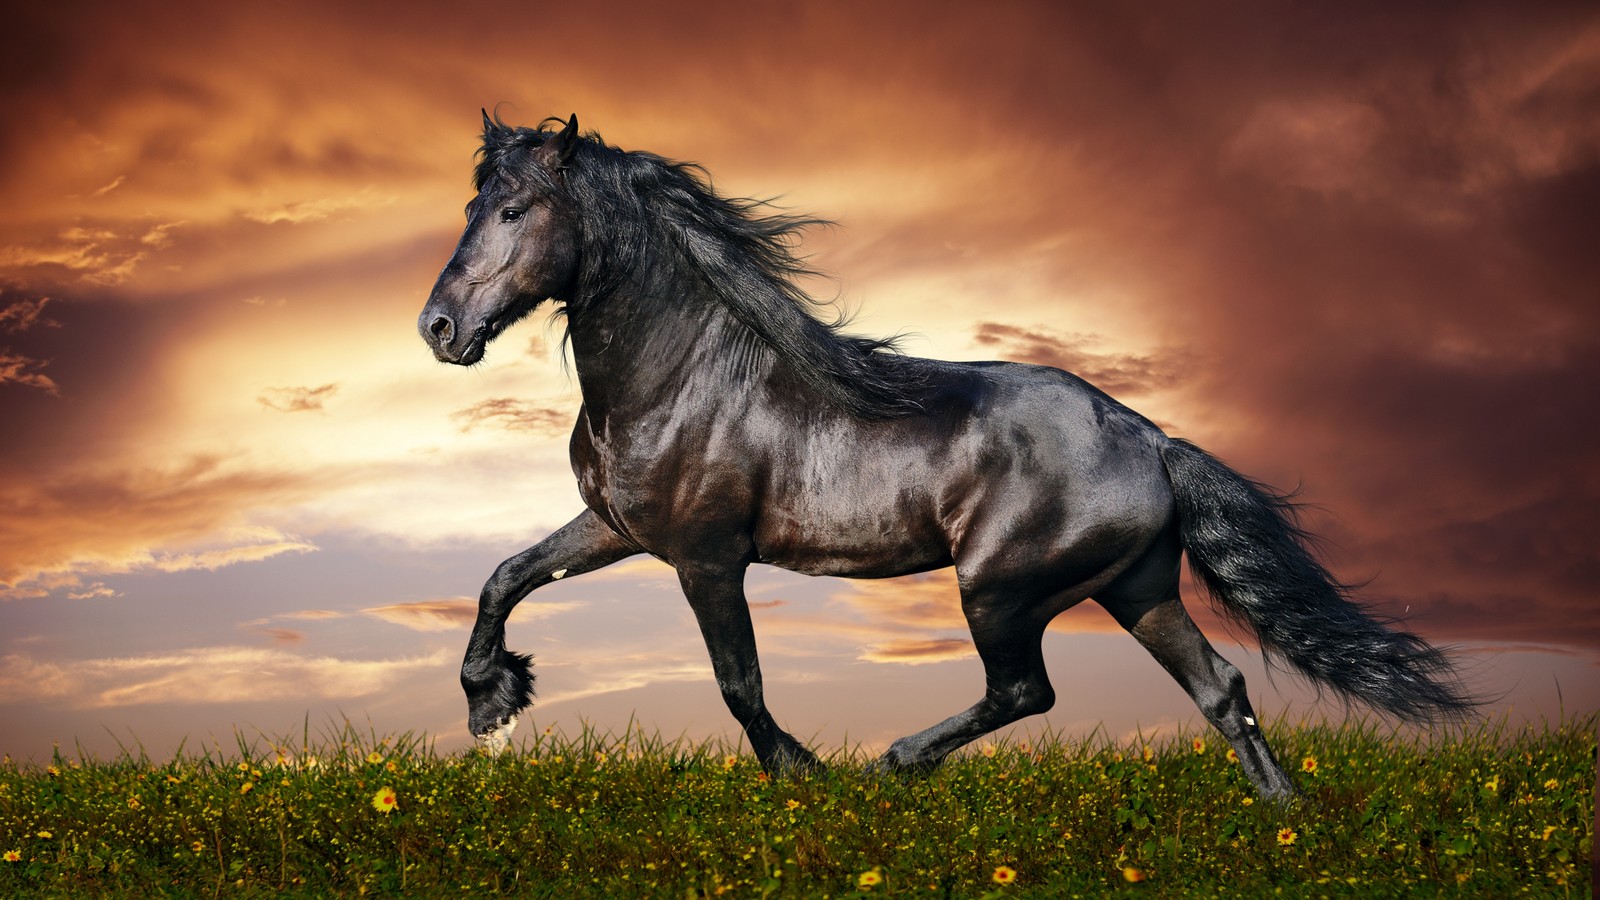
[(989, 750), (243, 766), (46, 835), (13, 856), (1548, 830), (1232, 756), (390, 766), (52, 771), (792, 803), (1149, 754), (1199, 745), (1004, 875), (1248, 801), (869, 878), (133, 802), (1309, 765), (384, 801), (730, 761), (374, 757), (1492, 785), (1129, 873), (197, 847), (1552, 784), (247, 787), (1286, 836)]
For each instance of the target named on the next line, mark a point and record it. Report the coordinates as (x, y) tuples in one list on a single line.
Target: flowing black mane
[(628, 202)]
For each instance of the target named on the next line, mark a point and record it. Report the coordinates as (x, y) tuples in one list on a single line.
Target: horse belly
[(862, 527)]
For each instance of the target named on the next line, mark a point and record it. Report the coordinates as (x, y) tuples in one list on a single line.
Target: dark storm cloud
[(1364, 226)]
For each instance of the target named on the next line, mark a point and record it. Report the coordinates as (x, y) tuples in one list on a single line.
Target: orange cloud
[(57, 534), (449, 615), (428, 615), (18, 369), (297, 399), (516, 415), (1115, 373), (302, 211), (918, 652), (24, 314), (283, 635), (203, 675)]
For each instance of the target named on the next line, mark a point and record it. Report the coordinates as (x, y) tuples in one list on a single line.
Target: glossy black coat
[(723, 425)]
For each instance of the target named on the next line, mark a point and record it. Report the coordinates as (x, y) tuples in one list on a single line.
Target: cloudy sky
[(1346, 246)]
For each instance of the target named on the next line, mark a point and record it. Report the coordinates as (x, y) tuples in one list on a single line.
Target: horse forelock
[(507, 152)]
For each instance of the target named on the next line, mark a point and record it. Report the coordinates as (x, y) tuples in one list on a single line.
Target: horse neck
[(653, 339)]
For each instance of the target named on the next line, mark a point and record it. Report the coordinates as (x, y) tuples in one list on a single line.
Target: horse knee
[(499, 592)]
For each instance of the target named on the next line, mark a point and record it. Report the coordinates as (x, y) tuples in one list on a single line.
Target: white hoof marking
[(557, 574), (497, 740), (1248, 720)]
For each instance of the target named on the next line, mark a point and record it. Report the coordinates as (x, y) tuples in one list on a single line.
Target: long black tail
[(1245, 545)]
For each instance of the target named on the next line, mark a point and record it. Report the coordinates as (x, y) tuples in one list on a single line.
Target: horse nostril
[(442, 328)]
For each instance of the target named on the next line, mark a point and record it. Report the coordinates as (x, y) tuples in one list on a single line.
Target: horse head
[(520, 246)]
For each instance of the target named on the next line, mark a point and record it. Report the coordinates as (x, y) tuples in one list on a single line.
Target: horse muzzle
[(447, 339)]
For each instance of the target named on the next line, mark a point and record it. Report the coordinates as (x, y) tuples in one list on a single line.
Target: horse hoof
[(497, 740)]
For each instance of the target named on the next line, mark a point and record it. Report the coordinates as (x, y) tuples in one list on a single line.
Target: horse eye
[(510, 215)]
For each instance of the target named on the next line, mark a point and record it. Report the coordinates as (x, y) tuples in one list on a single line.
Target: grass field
[(1489, 811)]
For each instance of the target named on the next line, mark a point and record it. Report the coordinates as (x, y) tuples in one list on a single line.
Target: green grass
[(1489, 811)]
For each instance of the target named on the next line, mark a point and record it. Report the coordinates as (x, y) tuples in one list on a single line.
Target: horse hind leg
[(1009, 636), (1150, 610)]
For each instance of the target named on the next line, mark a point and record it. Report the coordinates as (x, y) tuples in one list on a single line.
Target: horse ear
[(488, 123), (556, 151)]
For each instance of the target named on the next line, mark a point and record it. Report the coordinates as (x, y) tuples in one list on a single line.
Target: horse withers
[(724, 424)]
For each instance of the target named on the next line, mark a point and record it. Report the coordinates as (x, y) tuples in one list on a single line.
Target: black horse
[(723, 424)]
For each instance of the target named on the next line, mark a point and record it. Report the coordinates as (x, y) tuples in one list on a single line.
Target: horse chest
[(653, 492)]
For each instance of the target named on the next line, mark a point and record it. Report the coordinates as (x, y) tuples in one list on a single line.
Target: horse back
[(1003, 452)]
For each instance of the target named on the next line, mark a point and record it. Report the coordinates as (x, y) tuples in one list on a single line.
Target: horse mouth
[(473, 351), (478, 342)]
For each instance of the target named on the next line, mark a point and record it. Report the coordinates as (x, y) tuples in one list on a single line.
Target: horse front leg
[(717, 597), (499, 683)]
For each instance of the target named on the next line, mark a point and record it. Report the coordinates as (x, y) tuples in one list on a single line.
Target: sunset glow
[(1350, 250)]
